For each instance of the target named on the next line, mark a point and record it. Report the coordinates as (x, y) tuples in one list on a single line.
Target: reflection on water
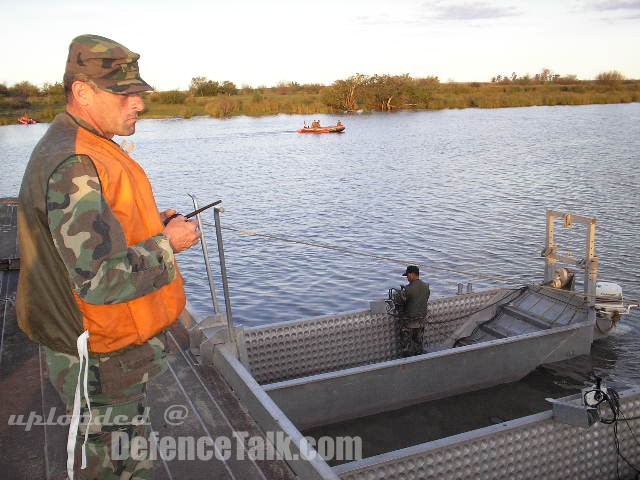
[(457, 189)]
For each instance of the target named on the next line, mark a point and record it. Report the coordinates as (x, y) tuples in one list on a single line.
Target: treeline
[(26, 98), (356, 93), (392, 92), (547, 76)]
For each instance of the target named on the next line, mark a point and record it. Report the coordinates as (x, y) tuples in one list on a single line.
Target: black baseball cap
[(411, 269)]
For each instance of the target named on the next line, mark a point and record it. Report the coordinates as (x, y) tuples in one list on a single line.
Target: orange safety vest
[(126, 188)]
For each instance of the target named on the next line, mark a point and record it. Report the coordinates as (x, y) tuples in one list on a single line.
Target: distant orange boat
[(26, 120), (318, 129)]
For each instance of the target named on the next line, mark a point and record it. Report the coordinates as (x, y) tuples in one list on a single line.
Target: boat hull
[(330, 129), (324, 370), (353, 393)]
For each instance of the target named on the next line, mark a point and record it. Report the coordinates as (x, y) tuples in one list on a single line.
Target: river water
[(462, 190)]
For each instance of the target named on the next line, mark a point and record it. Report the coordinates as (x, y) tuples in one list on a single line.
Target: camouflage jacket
[(102, 267), (71, 242)]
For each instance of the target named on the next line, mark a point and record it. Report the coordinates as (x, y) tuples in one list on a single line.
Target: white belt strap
[(83, 354)]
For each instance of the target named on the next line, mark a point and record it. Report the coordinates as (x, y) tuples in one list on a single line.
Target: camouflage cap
[(110, 65)]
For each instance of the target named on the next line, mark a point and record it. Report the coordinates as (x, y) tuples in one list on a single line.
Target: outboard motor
[(609, 305), (395, 302), (609, 299)]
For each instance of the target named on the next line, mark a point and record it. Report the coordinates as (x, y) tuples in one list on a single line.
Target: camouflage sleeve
[(102, 267)]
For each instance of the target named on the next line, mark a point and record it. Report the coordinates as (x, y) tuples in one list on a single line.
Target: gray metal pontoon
[(302, 374)]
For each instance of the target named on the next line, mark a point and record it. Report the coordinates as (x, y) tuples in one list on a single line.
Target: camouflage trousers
[(411, 336), (117, 392)]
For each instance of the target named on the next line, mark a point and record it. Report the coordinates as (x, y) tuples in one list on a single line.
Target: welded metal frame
[(590, 263)]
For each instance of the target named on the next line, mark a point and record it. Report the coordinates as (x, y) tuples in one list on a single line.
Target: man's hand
[(181, 233), (166, 214)]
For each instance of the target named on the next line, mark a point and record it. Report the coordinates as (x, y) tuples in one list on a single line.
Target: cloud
[(443, 10), (473, 11), (618, 10), (618, 5)]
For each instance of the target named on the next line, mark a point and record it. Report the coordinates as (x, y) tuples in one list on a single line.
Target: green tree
[(343, 94), (387, 91), (53, 89), (203, 87), (423, 91), (24, 89), (228, 88)]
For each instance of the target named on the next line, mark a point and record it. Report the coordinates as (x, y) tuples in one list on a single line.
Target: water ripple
[(460, 189)]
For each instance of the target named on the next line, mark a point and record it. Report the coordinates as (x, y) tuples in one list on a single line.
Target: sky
[(265, 43)]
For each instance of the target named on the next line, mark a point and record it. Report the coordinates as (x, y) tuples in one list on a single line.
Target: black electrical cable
[(633, 434), (611, 398)]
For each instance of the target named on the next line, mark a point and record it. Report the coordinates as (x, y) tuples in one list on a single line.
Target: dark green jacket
[(417, 294)]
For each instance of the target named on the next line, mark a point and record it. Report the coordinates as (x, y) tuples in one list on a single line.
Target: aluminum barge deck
[(285, 377)]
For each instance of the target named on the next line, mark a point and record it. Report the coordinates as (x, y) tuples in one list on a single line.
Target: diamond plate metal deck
[(535, 447), (287, 350)]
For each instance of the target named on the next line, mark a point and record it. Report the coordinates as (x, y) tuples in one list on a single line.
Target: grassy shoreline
[(272, 101)]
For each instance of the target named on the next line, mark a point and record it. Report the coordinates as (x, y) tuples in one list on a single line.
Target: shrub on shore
[(359, 92)]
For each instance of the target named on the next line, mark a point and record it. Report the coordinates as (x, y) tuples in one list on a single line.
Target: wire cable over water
[(348, 251), (366, 254)]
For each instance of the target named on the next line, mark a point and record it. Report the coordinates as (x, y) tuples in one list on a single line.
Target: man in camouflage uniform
[(85, 208), (413, 316)]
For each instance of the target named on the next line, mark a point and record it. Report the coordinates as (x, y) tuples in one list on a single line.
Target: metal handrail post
[(550, 246), (207, 263), (223, 274), (592, 264)]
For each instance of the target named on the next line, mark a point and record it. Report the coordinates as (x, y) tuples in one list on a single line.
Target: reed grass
[(272, 101)]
